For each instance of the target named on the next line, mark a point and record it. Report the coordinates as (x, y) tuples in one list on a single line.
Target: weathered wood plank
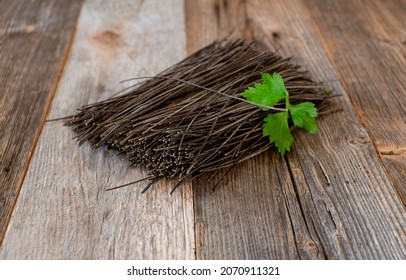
[(64, 211), (213, 19), (367, 49), (346, 199), (34, 38), (396, 164), (254, 212)]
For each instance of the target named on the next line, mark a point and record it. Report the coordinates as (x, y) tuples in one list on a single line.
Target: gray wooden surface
[(34, 42), (339, 194)]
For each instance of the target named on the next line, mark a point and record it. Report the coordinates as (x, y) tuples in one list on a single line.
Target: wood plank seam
[(70, 214), (380, 153), (46, 109), (316, 239), (291, 219), (368, 176)]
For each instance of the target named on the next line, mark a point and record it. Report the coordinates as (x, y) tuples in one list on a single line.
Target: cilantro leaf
[(304, 116), (276, 127), (267, 93)]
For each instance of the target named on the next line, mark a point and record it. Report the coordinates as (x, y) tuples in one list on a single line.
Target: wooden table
[(338, 195)]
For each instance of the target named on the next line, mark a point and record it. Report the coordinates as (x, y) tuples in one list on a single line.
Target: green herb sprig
[(276, 126)]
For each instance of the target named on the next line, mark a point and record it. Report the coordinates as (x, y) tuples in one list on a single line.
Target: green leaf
[(304, 116), (267, 93), (277, 128)]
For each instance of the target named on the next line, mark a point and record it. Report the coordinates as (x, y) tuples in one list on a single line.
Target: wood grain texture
[(34, 38), (367, 49), (254, 212), (396, 164), (64, 211), (227, 18), (346, 198), (330, 199), (370, 58), (365, 41)]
